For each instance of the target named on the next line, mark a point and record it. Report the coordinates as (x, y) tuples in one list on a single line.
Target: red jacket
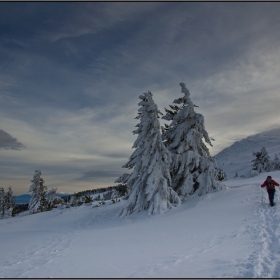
[(270, 186)]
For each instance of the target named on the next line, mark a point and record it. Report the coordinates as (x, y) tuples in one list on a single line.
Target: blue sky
[(71, 74)]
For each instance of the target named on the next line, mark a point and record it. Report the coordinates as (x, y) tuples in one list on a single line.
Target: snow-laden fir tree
[(220, 175), (193, 169), (9, 202), (38, 201), (123, 179), (51, 195), (150, 180), (74, 200), (276, 163), (52, 199), (261, 162)]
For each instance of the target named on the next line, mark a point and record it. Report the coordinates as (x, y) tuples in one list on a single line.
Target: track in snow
[(264, 261), (35, 256)]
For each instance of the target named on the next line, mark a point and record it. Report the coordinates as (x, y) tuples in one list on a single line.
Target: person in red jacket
[(270, 186)]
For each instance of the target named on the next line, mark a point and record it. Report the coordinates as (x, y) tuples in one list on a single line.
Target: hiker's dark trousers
[(271, 196)]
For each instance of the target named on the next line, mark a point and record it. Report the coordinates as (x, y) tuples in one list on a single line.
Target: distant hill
[(25, 198), (238, 157), (22, 199)]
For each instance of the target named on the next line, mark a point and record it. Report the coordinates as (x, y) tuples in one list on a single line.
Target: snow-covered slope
[(224, 234), (238, 157)]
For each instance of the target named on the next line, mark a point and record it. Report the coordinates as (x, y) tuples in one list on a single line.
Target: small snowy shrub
[(88, 199)]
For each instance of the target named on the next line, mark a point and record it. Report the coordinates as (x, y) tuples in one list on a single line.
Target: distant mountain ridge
[(25, 198), (238, 157)]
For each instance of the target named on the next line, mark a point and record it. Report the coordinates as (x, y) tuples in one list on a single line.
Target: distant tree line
[(43, 200), (113, 193), (120, 188)]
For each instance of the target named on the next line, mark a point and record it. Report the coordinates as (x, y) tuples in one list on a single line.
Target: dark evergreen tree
[(220, 175), (88, 199)]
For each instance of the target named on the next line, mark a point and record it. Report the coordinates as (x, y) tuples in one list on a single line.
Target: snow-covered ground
[(224, 234)]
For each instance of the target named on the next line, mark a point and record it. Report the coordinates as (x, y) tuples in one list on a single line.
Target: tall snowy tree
[(150, 180), (38, 201), (261, 162), (193, 169)]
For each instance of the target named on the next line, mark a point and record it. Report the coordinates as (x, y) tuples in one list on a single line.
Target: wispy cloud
[(100, 175), (71, 74), (8, 142)]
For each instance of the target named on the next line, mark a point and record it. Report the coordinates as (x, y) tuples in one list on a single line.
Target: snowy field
[(224, 234)]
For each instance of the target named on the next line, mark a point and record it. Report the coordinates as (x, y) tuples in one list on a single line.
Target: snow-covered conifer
[(38, 201), (123, 179), (276, 163), (74, 200), (150, 180), (9, 202), (261, 162), (193, 169), (52, 199), (115, 196), (220, 175), (88, 199)]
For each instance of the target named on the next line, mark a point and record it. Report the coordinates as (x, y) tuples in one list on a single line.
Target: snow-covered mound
[(238, 157), (224, 234)]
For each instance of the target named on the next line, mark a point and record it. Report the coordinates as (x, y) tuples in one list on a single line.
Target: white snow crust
[(223, 234)]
